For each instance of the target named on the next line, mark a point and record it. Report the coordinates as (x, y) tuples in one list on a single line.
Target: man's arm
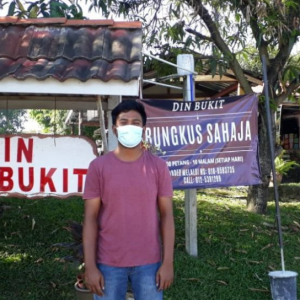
[(93, 277), (165, 274)]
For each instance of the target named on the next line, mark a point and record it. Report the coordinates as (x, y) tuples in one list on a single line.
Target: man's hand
[(164, 276), (94, 281)]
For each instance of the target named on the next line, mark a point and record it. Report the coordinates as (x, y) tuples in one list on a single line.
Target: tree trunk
[(258, 194)]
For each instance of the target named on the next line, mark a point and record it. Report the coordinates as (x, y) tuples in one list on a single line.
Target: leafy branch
[(46, 9)]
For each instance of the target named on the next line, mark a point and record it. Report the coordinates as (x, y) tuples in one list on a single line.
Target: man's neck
[(128, 154)]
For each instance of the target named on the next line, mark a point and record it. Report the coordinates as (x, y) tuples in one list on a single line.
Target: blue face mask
[(130, 135)]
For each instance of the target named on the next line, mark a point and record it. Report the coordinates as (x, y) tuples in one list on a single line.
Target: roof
[(62, 49), (207, 86)]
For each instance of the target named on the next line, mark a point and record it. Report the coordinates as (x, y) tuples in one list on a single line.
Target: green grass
[(236, 248), (29, 266)]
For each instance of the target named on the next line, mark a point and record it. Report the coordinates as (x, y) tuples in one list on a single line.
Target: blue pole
[(191, 82), (270, 133)]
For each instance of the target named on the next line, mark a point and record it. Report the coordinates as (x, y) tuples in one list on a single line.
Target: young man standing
[(128, 213)]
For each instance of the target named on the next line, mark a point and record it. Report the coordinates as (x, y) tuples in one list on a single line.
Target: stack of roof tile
[(63, 49)]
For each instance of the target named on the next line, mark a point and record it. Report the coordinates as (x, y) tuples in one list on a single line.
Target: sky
[(31, 126)]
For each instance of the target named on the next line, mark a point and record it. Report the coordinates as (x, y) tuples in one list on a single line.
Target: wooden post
[(240, 91), (79, 122), (191, 244), (102, 124)]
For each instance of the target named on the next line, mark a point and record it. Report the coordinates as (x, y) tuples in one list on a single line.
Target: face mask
[(129, 135)]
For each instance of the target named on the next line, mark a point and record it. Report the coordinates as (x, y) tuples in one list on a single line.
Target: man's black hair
[(126, 106)]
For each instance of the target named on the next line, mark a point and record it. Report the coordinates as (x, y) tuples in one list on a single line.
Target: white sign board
[(40, 165)]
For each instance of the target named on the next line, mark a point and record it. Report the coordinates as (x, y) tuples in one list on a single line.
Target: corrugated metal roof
[(63, 49)]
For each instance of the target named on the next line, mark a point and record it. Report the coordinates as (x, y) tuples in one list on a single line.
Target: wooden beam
[(226, 91), (217, 78), (208, 90), (240, 90), (102, 124), (176, 96), (49, 102), (62, 105), (90, 124), (249, 78)]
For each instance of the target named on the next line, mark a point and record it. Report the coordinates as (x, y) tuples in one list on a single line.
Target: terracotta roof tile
[(62, 49), (8, 20), (42, 21), (61, 69), (136, 24), (89, 22)]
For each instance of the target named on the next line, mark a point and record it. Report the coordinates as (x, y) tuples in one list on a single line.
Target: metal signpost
[(187, 62), (185, 68)]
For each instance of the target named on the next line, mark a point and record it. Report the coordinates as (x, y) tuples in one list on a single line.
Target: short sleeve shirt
[(128, 222)]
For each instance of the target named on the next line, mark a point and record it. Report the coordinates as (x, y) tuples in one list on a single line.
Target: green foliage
[(282, 166), (52, 121), (46, 9), (75, 246), (250, 60), (12, 120), (291, 73), (90, 132)]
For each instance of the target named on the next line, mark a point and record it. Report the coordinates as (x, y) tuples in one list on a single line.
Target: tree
[(217, 32), (46, 9), (11, 120), (52, 121)]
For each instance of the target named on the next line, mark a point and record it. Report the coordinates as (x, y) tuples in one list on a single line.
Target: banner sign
[(207, 143), (39, 166)]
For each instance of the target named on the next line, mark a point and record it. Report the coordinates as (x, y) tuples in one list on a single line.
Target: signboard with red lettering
[(39, 166), (207, 143)]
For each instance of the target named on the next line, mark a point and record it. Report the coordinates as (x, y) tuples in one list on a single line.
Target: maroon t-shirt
[(129, 232)]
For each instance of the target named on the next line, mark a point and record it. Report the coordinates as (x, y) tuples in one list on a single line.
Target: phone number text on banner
[(207, 143)]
